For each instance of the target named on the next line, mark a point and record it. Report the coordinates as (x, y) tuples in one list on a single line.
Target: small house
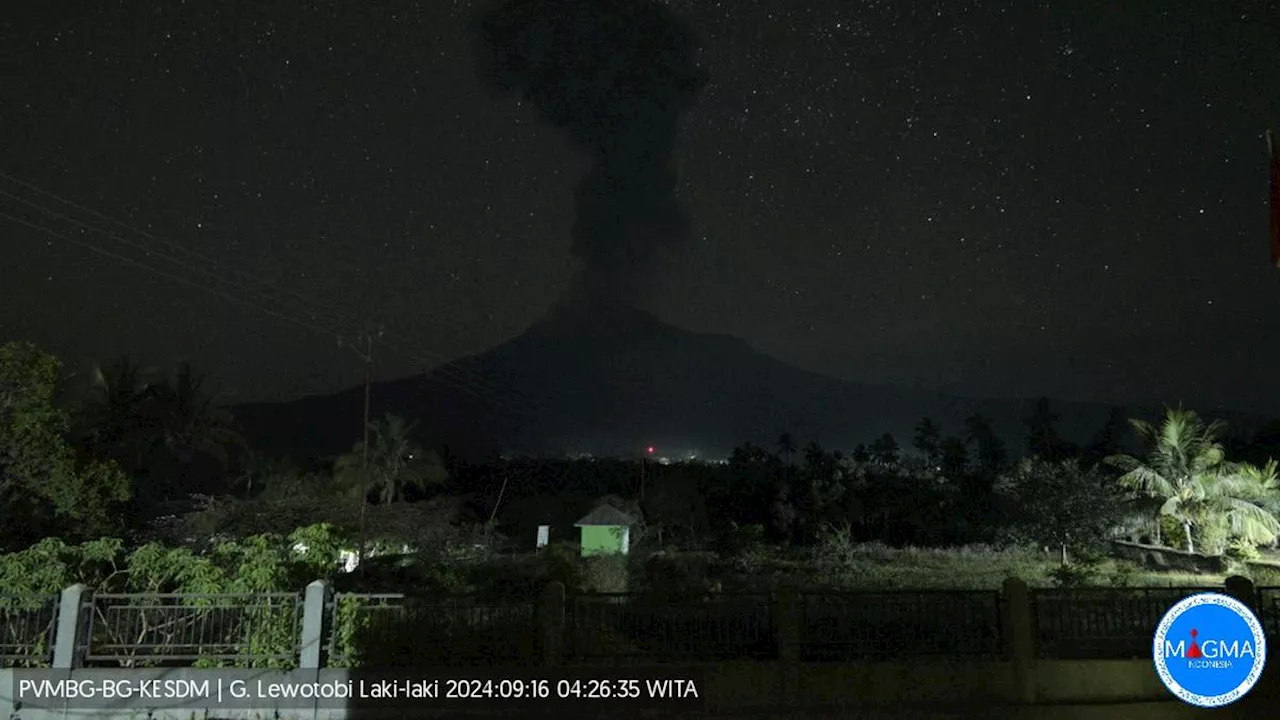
[(606, 531)]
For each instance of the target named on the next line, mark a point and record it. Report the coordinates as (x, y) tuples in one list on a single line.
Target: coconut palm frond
[(1186, 476), (1250, 521)]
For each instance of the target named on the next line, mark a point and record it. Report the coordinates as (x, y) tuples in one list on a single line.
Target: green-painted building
[(606, 531)]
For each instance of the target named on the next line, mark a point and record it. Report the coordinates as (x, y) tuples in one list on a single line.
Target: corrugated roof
[(606, 515)]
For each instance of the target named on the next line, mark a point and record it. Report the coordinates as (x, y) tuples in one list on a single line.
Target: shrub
[(252, 566), (1212, 538), (1264, 576), (444, 580), (1074, 575), (1242, 550), (562, 562), (741, 539), (679, 573), (1123, 574), (835, 543), (606, 574)]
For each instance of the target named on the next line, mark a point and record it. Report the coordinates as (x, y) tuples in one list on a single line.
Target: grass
[(848, 566), (875, 566)]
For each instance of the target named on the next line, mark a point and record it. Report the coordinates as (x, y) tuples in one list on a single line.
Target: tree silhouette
[(1062, 503), (928, 440), (42, 478), (786, 448), (395, 463), (818, 461), (753, 474), (885, 450), (990, 449), (191, 423), (118, 416), (1043, 440), (954, 458), (1107, 440)]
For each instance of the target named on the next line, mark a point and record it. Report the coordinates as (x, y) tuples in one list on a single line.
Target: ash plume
[(616, 75)]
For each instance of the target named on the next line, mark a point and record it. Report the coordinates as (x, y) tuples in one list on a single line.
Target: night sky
[(999, 198)]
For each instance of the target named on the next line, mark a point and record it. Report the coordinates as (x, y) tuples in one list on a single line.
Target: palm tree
[(928, 440), (1260, 486), (256, 472), (395, 462), (1187, 475), (192, 425), (117, 421), (982, 435), (786, 448)]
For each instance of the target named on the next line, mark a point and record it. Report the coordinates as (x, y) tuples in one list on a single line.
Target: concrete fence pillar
[(551, 623), (789, 634), (312, 641), (313, 615), (67, 633), (1242, 589), (1019, 639)]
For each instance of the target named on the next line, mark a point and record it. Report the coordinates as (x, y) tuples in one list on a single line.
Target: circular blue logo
[(1209, 650)]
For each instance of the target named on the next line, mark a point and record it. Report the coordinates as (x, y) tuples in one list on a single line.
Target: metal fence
[(632, 626), (403, 631), (1269, 612), (27, 630), (264, 629), (885, 625), (1101, 623), (154, 629)]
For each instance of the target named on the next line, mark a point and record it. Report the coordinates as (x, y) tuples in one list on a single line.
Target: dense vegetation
[(135, 455)]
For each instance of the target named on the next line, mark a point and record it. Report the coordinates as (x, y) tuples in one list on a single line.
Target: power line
[(461, 374), (340, 318), (169, 243), (342, 340), (151, 251), (130, 261)]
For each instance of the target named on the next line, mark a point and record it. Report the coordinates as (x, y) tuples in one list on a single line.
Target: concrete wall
[(1163, 558)]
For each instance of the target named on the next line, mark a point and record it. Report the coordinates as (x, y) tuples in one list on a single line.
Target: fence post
[(312, 640), (67, 632), (1241, 588), (789, 619), (1020, 639), (550, 623), (313, 608)]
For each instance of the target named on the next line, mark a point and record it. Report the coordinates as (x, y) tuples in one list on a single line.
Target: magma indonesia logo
[(1209, 650)]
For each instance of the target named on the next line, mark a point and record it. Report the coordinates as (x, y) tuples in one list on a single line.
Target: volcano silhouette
[(607, 378)]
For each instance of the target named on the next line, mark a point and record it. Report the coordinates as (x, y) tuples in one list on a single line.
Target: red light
[(650, 449)]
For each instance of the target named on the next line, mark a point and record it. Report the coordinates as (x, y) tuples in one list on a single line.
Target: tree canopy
[(42, 478)]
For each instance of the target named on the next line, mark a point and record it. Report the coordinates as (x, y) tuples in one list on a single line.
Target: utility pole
[(644, 459), (501, 491), (366, 355)]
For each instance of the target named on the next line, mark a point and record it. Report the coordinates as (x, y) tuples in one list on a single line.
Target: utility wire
[(150, 251), (325, 313), (309, 305), (169, 243), (176, 278), (220, 293)]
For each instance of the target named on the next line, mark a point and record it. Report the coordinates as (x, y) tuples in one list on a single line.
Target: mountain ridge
[(608, 378)]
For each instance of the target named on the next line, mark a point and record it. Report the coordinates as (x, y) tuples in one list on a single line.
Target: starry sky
[(992, 198)]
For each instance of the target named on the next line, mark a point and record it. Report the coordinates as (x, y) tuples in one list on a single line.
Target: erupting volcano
[(615, 76)]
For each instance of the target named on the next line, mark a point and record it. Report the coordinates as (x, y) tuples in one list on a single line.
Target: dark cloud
[(616, 75)]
